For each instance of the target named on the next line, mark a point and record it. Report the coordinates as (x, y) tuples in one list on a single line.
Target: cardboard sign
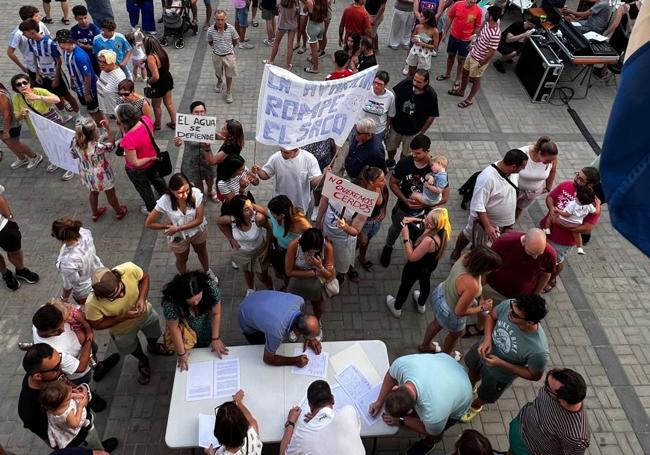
[(196, 128), (292, 112), (352, 196)]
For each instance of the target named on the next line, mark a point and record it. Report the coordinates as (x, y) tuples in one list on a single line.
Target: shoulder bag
[(164, 164)]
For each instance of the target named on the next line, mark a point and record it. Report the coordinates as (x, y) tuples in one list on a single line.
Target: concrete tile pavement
[(613, 276)]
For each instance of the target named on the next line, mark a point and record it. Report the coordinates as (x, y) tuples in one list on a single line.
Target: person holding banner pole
[(372, 179)]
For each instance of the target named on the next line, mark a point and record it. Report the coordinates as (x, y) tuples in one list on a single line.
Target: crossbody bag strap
[(30, 106), (153, 141), (505, 177)]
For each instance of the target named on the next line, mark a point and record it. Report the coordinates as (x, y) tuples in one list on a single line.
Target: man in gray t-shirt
[(514, 346), (595, 19), (268, 317)]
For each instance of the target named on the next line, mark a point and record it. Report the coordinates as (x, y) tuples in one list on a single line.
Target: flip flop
[(463, 104), (442, 77), (353, 275), (123, 210), (171, 125), (468, 332), (144, 372), (549, 287), (309, 70), (434, 344), (98, 214)]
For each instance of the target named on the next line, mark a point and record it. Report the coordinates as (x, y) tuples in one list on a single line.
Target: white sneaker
[(249, 292), (547, 231), (234, 265), (292, 337), (416, 300), (268, 42), (18, 163), (143, 210), (390, 303), (229, 98), (580, 250), (67, 175), (50, 168), (212, 276), (405, 70), (246, 45), (33, 162), (218, 87)]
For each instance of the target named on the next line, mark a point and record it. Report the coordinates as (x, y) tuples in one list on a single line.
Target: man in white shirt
[(324, 430), (20, 42), (296, 172), (492, 210)]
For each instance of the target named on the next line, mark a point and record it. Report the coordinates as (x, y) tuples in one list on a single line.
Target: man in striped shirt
[(482, 52), (223, 38), (84, 81), (556, 421)]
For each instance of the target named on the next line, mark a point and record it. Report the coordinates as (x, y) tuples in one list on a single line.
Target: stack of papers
[(206, 431), (363, 394), (213, 379), (317, 365)]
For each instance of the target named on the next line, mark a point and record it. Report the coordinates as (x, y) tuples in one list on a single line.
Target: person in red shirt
[(464, 21), (340, 62), (561, 238), (355, 18)]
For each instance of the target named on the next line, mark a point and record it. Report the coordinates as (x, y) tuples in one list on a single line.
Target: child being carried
[(435, 182), (575, 212)]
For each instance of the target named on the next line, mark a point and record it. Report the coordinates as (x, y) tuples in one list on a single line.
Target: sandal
[(156, 127), (123, 210), (171, 125), (309, 70), (98, 214), (549, 287), (455, 93), (468, 332), (353, 275), (47, 20), (434, 348), (65, 21), (442, 77), (465, 103), (144, 372), (366, 265), (159, 349), (256, 24)]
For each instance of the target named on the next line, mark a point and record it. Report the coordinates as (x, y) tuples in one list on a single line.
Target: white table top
[(269, 391)]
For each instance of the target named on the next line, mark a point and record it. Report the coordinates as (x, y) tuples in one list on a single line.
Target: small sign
[(352, 196), (196, 128)]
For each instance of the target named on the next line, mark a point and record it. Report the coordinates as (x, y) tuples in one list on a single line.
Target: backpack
[(467, 189)]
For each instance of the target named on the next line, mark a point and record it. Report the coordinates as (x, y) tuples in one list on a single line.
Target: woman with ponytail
[(422, 257), (539, 174)]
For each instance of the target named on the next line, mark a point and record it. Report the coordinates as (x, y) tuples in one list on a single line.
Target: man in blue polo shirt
[(268, 317), (84, 81)]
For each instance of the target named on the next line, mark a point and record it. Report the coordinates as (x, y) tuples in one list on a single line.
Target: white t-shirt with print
[(379, 108), (329, 432), (178, 218), (293, 176), (252, 445)]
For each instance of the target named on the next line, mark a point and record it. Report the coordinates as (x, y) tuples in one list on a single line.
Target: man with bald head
[(528, 261), (268, 317)]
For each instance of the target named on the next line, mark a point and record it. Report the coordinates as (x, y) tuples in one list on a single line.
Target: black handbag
[(164, 163)]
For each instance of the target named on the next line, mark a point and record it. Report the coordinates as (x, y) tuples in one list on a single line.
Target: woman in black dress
[(160, 81)]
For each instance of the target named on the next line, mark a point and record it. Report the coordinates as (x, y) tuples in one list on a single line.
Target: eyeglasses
[(124, 94), (56, 367), (513, 313), (22, 83)]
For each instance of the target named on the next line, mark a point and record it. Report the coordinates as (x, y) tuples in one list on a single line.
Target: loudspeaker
[(538, 69)]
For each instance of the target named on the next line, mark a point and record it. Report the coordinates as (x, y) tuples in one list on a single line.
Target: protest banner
[(196, 128), (292, 112), (352, 196), (56, 141)]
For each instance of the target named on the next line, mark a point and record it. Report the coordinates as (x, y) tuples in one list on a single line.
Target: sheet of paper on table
[(226, 377), (199, 381), (595, 36), (206, 431), (363, 404), (357, 356), (317, 365), (353, 382)]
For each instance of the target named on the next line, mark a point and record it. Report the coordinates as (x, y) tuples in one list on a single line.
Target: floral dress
[(95, 170)]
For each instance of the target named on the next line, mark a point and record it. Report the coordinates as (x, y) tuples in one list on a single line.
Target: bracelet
[(216, 339), (182, 355), (406, 241)]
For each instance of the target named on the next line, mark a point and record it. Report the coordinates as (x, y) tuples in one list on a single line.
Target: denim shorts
[(241, 16), (371, 228), (457, 47), (445, 315), (561, 250)]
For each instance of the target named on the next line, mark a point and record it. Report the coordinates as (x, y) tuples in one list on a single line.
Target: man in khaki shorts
[(223, 37)]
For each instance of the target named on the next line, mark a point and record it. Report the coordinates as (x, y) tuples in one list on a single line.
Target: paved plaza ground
[(598, 321)]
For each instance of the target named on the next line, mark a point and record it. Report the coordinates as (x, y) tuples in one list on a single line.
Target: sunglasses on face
[(56, 367), (124, 94), (22, 83)]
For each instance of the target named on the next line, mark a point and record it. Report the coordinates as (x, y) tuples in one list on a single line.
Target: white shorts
[(422, 63)]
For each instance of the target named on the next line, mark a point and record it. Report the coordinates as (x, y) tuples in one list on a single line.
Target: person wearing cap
[(80, 68), (119, 303)]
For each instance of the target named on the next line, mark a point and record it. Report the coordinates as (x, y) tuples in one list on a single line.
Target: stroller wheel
[(179, 43), (163, 42)]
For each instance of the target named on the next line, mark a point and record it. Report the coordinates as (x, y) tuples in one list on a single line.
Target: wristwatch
[(289, 423), (406, 241), (402, 422)]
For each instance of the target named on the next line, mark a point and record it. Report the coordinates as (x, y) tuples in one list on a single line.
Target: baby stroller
[(176, 21)]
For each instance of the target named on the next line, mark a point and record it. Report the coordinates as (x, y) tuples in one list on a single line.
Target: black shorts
[(92, 106), (61, 90), (509, 48), (10, 237), (14, 132), (491, 388)]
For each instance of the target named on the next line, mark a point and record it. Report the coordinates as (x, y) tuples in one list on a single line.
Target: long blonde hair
[(438, 221)]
